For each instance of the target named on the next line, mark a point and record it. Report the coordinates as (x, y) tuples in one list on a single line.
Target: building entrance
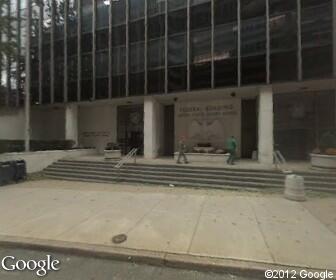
[(131, 128)]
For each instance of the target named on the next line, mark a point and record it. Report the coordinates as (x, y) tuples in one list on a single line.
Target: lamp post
[(28, 75)]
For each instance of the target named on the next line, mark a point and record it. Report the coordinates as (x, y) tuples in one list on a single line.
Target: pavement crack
[(197, 223), (261, 230)]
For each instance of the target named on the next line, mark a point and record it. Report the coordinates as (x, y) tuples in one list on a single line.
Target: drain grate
[(120, 238)]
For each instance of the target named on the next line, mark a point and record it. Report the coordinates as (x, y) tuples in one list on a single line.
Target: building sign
[(208, 121)]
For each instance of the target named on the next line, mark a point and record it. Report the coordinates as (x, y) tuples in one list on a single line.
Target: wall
[(12, 123), (37, 161), (210, 121), (97, 126)]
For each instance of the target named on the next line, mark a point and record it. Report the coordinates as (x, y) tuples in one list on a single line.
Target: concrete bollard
[(294, 188)]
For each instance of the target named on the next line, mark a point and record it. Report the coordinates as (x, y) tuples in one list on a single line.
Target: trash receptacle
[(7, 172), (20, 170)]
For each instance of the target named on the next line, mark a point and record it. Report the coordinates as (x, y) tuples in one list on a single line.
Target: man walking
[(182, 150), (231, 146)]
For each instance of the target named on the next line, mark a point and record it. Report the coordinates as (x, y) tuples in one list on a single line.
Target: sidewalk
[(249, 227)]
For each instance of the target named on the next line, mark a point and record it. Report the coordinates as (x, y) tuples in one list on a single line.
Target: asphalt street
[(88, 268)]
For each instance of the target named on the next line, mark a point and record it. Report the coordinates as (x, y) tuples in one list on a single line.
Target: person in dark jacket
[(182, 150), (231, 146)]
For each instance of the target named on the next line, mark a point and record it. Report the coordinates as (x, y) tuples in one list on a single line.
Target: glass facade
[(98, 49)]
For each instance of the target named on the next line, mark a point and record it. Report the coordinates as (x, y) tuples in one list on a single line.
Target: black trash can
[(20, 170), (7, 172)]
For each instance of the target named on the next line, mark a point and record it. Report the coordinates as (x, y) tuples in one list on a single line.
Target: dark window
[(225, 55), (253, 41), (177, 79), (200, 15), (72, 18), (316, 20), (87, 16), (137, 9), (118, 86), (102, 38), (102, 64), (102, 14), (156, 81), (119, 35), (225, 11), (156, 26), (177, 21), (86, 42), (86, 93), (155, 7), (118, 12), (102, 88), (136, 83), (177, 50), (176, 4), (156, 53), (283, 40), (86, 66), (137, 31)]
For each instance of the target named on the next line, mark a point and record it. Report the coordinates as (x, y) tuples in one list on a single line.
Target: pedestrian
[(231, 146), (182, 150)]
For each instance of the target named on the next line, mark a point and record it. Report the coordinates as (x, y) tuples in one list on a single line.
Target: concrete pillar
[(265, 126), (71, 123), (153, 128)]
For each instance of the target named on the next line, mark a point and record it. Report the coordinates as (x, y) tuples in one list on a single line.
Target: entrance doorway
[(169, 130), (131, 128), (249, 127)]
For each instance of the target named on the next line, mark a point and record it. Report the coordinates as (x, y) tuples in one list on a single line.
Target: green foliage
[(328, 140)]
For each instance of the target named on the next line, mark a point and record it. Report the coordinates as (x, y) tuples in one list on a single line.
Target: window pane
[(253, 41), (316, 39), (156, 53), (137, 31), (102, 14), (156, 81), (137, 9), (225, 11), (102, 64), (177, 50), (86, 16), (283, 40), (102, 37), (46, 51), (118, 12), (177, 79), (156, 26), (177, 21), (200, 14), (155, 7)]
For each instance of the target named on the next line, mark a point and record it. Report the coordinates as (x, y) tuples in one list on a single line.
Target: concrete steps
[(183, 175)]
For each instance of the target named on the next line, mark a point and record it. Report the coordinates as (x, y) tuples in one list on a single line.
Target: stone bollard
[(294, 188)]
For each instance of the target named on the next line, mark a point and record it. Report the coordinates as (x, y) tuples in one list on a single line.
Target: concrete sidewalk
[(249, 227)]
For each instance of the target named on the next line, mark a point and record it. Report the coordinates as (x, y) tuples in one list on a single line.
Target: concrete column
[(153, 128), (71, 123), (265, 126)]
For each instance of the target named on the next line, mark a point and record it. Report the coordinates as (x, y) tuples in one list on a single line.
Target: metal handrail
[(132, 153)]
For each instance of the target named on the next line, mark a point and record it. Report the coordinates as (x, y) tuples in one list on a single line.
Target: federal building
[(144, 73)]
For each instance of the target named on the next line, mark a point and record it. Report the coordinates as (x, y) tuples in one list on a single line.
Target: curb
[(173, 260)]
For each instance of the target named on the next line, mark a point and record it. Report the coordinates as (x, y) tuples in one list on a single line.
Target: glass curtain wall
[(137, 47), (283, 40), (316, 26), (86, 47), (118, 48), (253, 41), (59, 21), (156, 57), (102, 53), (225, 43), (177, 45), (46, 55), (72, 50), (156, 46)]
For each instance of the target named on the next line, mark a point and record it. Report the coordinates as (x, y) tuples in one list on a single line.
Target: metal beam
[(268, 51), (212, 43), (299, 41), (65, 69), (188, 45), (79, 50), (110, 52), (28, 77), (40, 53), (52, 53), (94, 47), (146, 49), (166, 46), (127, 48), (239, 43)]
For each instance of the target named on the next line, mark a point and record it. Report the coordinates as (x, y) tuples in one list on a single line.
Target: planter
[(205, 157), (112, 154), (323, 161)]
